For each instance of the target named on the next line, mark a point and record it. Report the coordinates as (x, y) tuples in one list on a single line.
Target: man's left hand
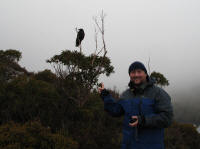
[(135, 123)]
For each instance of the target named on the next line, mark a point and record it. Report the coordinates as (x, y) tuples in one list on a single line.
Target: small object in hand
[(133, 120)]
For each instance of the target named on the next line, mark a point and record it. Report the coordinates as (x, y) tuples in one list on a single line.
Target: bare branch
[(96, 39), (97, 24), (102, 30), (80, 47), (96, 44), (100, 51), (149, 69), (76, 29)]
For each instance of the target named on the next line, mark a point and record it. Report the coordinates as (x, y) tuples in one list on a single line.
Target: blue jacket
[(153, 107)]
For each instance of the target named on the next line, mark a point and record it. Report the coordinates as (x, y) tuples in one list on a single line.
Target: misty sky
[(167, 31)]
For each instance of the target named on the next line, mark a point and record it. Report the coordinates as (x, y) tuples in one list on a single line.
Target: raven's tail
[(78, 42)]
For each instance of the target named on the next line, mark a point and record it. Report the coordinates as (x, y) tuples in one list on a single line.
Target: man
[(147, 110)]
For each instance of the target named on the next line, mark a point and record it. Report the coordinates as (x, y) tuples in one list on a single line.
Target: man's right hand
[(101, 88)]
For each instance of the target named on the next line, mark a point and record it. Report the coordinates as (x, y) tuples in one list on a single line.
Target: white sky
[(167, 31)]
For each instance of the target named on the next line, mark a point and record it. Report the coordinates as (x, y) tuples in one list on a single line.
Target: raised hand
[(101, 87)]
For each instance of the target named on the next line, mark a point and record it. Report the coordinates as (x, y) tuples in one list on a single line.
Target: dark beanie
[(137, 65)]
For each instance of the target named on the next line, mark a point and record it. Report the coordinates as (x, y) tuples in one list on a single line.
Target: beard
[(137, 83)]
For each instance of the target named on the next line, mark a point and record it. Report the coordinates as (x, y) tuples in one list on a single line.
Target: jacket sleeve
[(111, 106), (164, 112)]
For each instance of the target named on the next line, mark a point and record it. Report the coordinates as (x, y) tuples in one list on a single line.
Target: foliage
[(46, 76), (32, 135), (78, 73), (25, 98), (10, 55), (9, 67), (182, 136), (160, 79)]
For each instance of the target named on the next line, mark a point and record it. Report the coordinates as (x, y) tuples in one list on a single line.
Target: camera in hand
[(132, 120)]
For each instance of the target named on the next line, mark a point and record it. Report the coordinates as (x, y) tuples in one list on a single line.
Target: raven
[(80, 36)]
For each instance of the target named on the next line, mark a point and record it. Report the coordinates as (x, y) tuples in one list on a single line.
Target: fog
[(167, 32)]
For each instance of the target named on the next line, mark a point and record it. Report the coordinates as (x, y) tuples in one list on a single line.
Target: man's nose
[(137, 74)]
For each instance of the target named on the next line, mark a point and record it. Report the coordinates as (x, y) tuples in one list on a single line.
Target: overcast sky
[(167, 31)]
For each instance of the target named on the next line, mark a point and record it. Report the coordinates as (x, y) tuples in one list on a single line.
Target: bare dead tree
[(149, 68), (96, 44), (101, 29)]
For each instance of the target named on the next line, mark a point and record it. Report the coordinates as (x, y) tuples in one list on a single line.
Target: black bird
[(80, 36)]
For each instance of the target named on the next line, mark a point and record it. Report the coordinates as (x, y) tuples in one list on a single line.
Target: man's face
[(138, 76)]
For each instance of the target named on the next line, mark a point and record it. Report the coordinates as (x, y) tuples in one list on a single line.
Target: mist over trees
[(186, 105)]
